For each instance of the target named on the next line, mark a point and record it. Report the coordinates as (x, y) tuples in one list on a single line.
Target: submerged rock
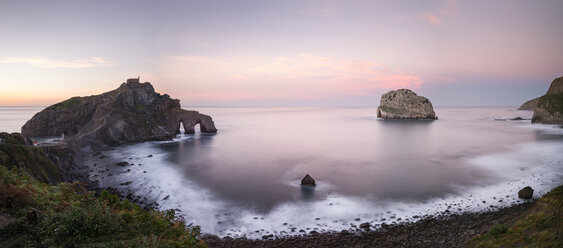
[(308, 180), (405, 104), (526, 193), (134, 112), (550, 105)]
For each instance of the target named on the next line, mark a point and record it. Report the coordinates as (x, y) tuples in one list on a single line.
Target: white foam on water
[(535, 164)]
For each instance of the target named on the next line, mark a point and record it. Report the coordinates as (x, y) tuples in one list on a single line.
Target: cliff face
[(530, 105), (405, 104), (134, 112), (550, 106)]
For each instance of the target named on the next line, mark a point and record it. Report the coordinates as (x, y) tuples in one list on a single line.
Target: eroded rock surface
[(530, 105), (134, 112), (405, 104)]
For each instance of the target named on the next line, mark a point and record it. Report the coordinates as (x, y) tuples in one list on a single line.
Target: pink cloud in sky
[(302, 76), (436, 18), (430, 18), (42, 62)]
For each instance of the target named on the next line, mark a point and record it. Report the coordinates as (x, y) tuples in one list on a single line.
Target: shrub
[(497, 230), (67, 215)]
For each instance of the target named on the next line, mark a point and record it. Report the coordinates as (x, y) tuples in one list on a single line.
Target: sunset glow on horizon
[(270, 53)]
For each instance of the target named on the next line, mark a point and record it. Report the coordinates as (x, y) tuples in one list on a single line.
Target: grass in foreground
[(66, 215), (542, 227)]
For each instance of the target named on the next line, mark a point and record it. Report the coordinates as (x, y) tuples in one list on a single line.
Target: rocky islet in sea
[(405, 104), (134, 112)]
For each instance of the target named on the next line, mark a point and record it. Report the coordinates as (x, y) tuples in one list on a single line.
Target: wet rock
[(365, 225), (526, 193), (126, 183), (268, 236), (308, 180), (149, 156), (122, 163)]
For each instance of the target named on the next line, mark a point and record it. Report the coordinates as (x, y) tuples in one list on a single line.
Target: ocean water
[(244, 180)]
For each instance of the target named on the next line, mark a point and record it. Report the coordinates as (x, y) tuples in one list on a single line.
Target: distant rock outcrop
[(550, 106), (405, 104), (530, 105), (134, 112), (308, 180)]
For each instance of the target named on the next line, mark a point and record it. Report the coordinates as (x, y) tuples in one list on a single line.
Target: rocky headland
[(530, 105), (405, 104), (134, 112), (549, 109)]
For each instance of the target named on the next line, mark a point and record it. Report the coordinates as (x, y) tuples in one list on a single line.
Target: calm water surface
[(246, 177)]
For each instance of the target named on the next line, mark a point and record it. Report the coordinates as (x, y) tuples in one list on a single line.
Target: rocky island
[(549, 109), (134, 112), (405, 104)]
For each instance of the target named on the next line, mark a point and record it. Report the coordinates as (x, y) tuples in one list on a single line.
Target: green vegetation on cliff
[(541, 227), (16, 152), (552, 103), (36, 210), (66, 215)]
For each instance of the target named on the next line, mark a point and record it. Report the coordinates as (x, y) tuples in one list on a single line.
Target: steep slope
[(550, 105)]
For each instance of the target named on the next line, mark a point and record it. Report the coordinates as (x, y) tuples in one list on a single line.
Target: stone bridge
[(189, 119)]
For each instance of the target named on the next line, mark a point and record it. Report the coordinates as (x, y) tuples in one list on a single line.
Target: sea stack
[(308, 181), (405, 104), (134, 112), (549, 109)]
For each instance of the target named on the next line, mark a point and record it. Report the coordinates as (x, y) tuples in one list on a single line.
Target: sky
[(282, 53)]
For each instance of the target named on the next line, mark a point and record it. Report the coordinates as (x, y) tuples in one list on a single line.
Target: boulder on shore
[(405, 104), (526, 193), (308, 180), (134, 112), (550, 106)]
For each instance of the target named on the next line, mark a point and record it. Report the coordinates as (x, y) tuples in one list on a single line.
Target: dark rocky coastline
[(441, 231)]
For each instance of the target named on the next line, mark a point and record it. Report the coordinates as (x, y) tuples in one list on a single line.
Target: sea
[(244, 181)]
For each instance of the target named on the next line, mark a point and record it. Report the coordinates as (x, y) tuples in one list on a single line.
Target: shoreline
[(441, 231), (107, 167)]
